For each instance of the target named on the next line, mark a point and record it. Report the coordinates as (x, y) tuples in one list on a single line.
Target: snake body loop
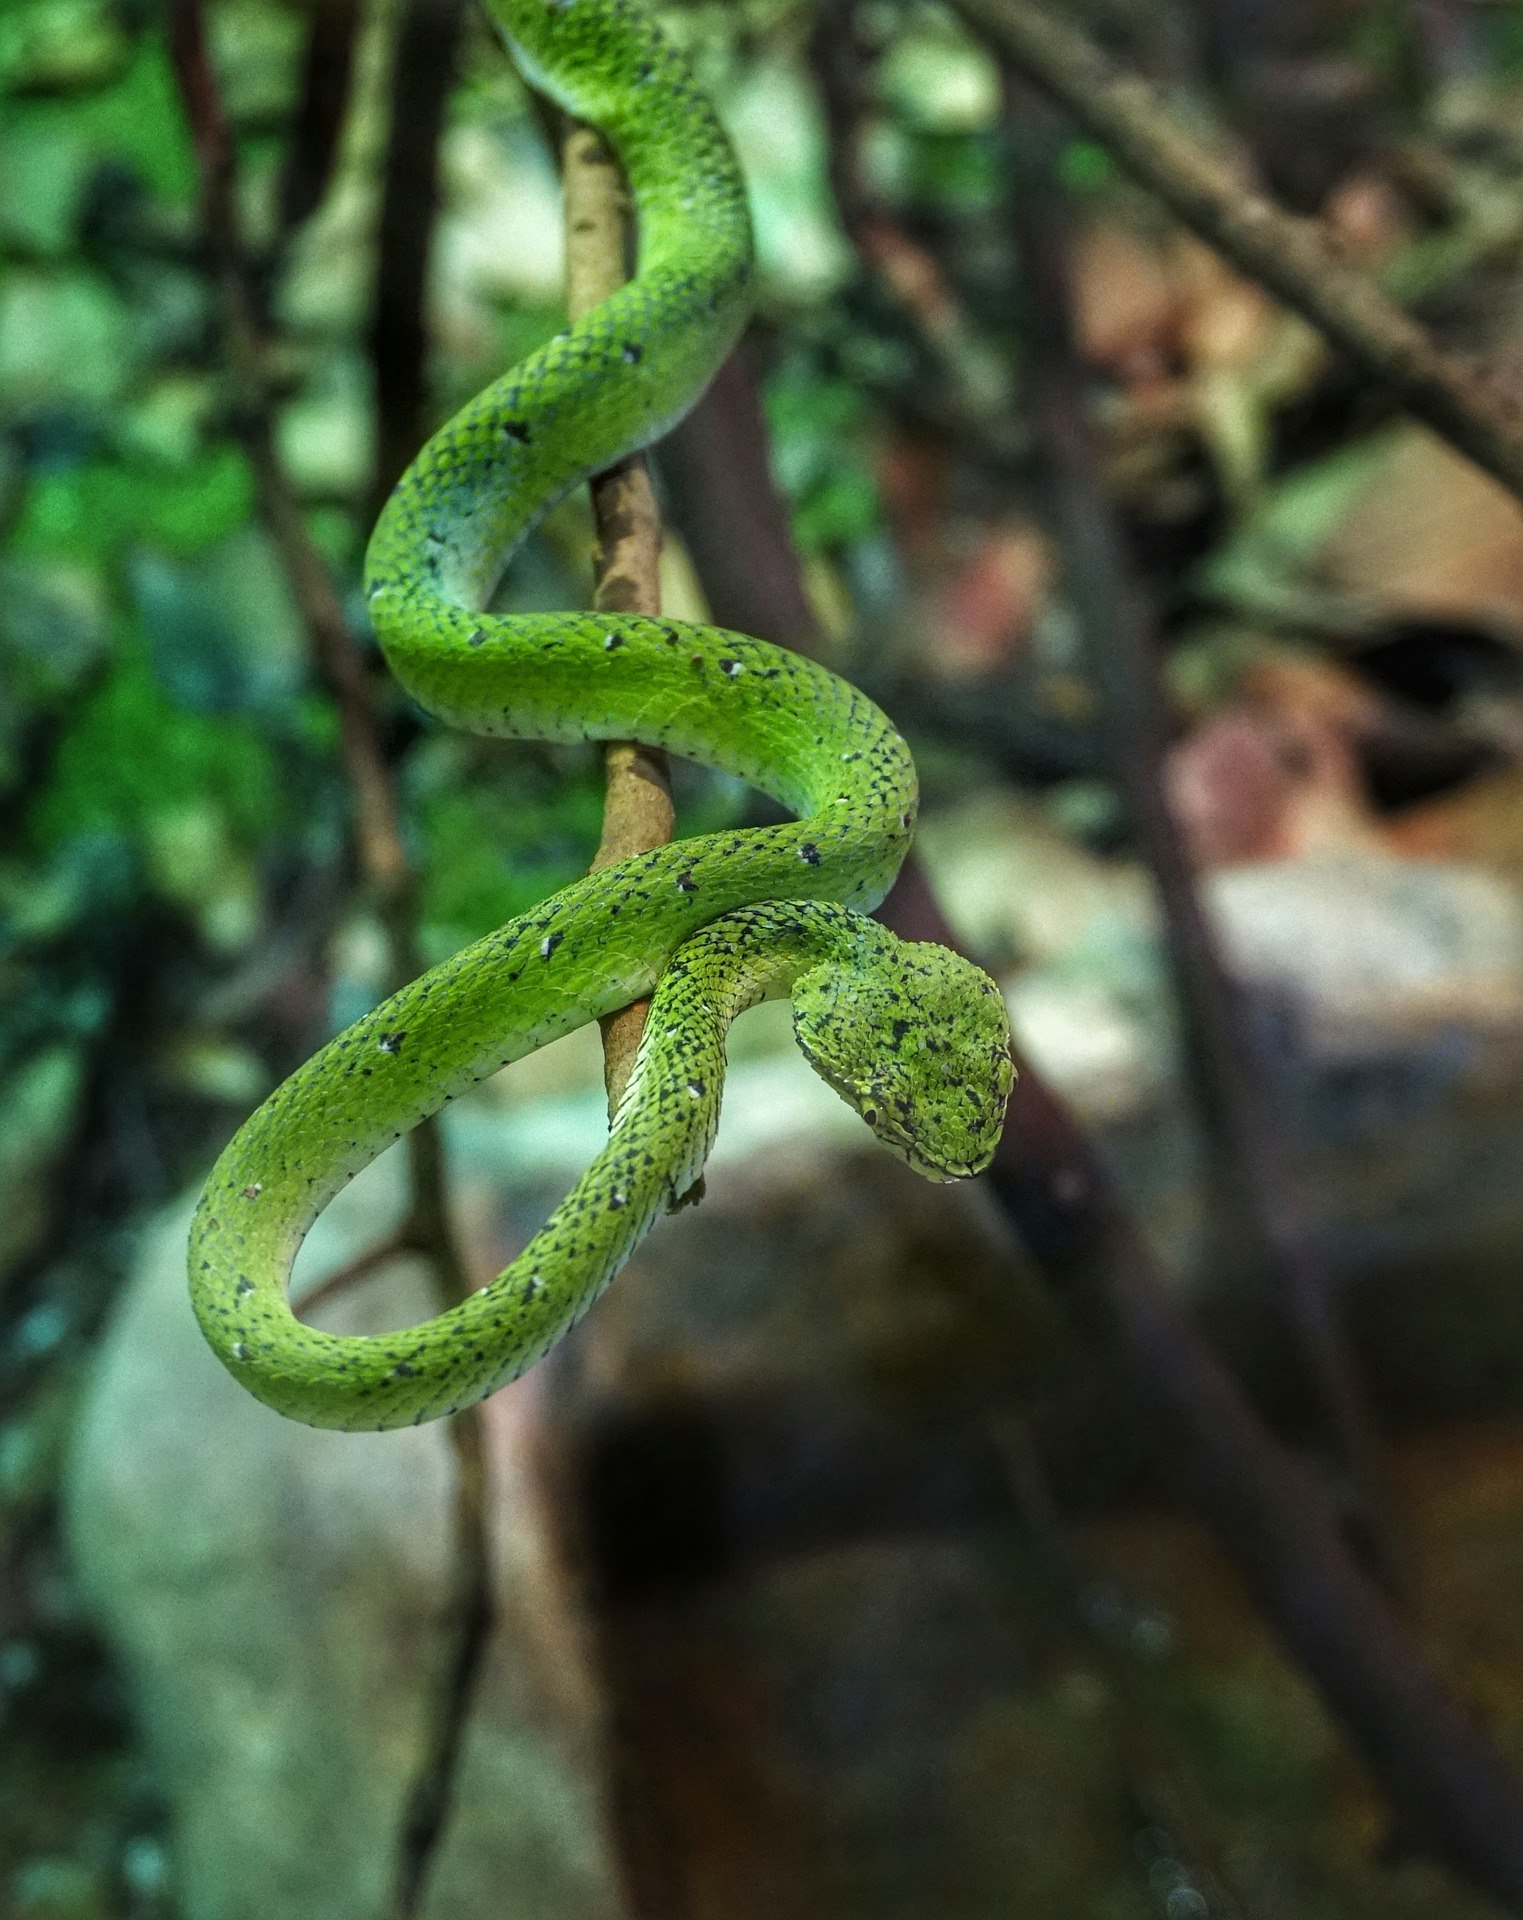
[(913, 1036)]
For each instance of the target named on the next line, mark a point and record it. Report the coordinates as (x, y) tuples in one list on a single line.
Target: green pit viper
[(913, 1036)]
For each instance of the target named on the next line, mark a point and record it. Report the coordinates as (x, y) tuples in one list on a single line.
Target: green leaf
[(97, 509), (1086, 168), (489, 852), (816, 424), (138, 121), (65, 338), (133, 760), (59, 45)]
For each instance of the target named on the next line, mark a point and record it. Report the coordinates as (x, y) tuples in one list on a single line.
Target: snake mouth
[(940, 1171), (876, 1108), (943, 1172)]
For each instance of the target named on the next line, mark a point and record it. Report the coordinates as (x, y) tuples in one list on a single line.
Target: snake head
[(918, 1041)]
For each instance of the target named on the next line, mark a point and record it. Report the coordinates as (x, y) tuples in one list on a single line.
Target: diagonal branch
[(424, 57), (1234, 1086), (1460, 399)]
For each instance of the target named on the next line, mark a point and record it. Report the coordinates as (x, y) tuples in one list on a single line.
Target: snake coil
[(912, 1035)]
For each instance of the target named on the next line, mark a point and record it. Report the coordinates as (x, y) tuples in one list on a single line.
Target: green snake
[(912, 1035)]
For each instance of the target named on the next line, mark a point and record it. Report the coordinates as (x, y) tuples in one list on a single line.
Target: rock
[(278, 1593), (1373, 950), (1362, 955)]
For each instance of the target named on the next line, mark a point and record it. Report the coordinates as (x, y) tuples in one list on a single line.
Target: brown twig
[(467, 1629), (1265, 1508), (327, 70), (379, 851), (382, 861), (637, 807), (423, 70), (1293, 257), (1234, 1088)]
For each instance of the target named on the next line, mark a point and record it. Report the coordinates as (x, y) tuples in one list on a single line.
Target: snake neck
[(755, 953), (761, 952)]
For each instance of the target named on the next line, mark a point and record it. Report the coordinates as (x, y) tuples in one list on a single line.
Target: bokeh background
[(1136, 1533)]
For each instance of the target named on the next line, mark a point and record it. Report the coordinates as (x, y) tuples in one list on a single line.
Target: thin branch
[(336, 660), (1266, 1510), (469, 1614), (334, 656), (384, 867), (1234, 1086), (379, 851), (422, 74), (1460, 399), (637, 808), (327, 70)]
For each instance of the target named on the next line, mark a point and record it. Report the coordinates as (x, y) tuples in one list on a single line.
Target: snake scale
[(912, 1035)]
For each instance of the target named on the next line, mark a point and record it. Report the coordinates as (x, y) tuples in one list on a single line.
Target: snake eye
[(870, 1115)]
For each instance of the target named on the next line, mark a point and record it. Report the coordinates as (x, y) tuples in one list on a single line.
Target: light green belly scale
[(912, 1035)]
